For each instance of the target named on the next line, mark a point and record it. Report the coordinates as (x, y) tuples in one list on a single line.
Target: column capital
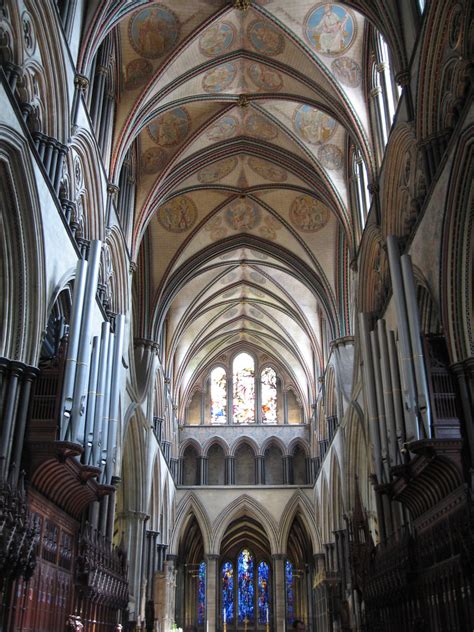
[(210, 557), (276, 557)]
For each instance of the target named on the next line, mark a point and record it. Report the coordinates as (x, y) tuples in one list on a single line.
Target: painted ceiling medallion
[(265, 38), (153, 31), (138, 73), (265, 77), (242, 215), (308, 215), (217, 39), (312, 125), (178, 215), (258, 126), (220, 78), (153, 160), (170, 128), (224, 128), (347, 71), (330, 157), (330, 29), (267, 170), (217, 170)]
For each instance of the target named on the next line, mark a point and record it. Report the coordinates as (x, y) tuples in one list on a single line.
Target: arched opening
[(298, 566), (244, 465), (245, 577), (215, 465), (268, 379), (191, 578), (299, 466), (190, 467), (273, 466), (218, 395)]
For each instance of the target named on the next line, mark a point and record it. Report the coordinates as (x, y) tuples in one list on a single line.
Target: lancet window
[(243, 395), (269, 395), (218, 395), (247, 594)]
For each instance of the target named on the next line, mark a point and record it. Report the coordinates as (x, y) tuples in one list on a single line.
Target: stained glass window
[(263, 583), (246, 586), (269, 396), (244, 389), (290, 592), (201, 601), (218, 396), (227, 592)]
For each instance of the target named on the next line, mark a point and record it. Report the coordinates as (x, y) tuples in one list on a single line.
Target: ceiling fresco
[(241, 121)]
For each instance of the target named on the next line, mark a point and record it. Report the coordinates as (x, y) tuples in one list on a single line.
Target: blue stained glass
[(227, 592), (201, 593), (263, 583), (290, 594), (246, 586)]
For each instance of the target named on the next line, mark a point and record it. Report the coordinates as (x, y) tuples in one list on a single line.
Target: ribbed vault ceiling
[(241, 122)]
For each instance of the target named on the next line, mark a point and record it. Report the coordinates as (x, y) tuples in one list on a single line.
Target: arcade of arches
[(236, 315)]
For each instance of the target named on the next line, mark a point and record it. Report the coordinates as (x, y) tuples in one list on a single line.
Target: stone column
[(258, 400), (165, 587), (14, 372), (230, 418), (285, 407), (288, 469), (29, 375), (203, 472), (229, 470), (212, 583), (260, 469), (133, 525), (279, 615)]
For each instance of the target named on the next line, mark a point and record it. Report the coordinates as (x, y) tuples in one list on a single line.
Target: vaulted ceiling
[(242, 120)]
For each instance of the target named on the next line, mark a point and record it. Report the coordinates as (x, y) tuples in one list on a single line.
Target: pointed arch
[(244, 505), (300, 505), (188, 507)]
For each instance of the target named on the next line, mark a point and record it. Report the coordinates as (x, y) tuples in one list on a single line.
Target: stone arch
[(133, 466), (86, 186), (457, 265), (155, 505), (374, 271), (299, 504), (244, 505), (215, 441), (56, 97), (23, 310), (336, 493), (244, 439), (402, 194), (189, 506), (276, 441), (188, 443)]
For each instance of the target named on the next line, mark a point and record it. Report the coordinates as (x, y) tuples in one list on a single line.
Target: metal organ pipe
[(380, 405), (114, 395), (73, 345), (387, 392), (91, 398), (105, 412), (83, 357), (101, 384), (409, 387), (424, 405), (369, 381), (396, 389)]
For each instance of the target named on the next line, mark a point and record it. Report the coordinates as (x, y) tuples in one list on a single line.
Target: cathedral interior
[(267, 422)]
